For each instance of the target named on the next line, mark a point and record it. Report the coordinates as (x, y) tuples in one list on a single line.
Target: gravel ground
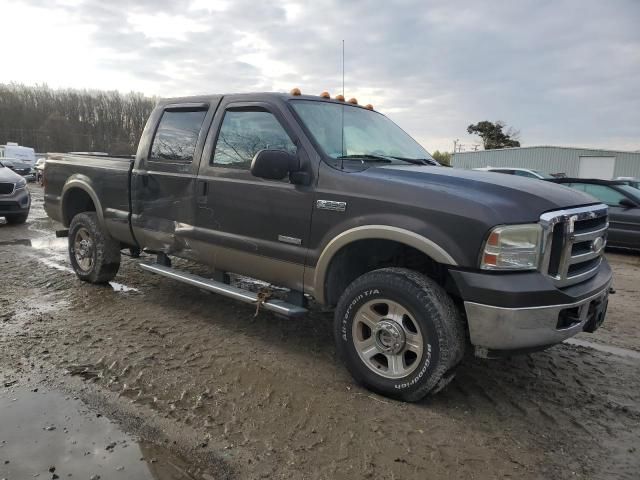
[(264, 397)]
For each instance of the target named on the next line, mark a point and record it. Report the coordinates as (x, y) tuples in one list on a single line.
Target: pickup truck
[(334, 202)]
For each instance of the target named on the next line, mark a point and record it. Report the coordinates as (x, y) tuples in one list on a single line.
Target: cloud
[(562, 72)]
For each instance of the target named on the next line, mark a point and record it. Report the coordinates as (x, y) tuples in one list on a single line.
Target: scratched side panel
[(167, 206)]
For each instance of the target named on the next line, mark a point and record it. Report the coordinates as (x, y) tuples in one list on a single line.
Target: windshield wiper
[(370, 157), (417, 161), (367, 156)]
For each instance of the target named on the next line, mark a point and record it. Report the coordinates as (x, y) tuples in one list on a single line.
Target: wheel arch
[(355, 240), (78, 195)]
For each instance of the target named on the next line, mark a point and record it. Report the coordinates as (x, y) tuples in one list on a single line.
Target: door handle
[(202, 187)]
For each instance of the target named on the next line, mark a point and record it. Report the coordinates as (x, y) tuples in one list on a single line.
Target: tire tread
[(451, 330), (107, 261)]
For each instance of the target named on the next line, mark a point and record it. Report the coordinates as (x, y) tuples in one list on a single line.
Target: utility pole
[(455, 144)]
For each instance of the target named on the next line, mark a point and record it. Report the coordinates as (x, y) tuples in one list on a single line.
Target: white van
[(21, 160)]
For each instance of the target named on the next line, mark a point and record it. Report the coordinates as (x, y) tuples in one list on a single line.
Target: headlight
[(20, 184), (512, 247)]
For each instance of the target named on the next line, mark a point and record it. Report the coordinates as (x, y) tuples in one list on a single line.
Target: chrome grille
[(573, 243), (6, 188)]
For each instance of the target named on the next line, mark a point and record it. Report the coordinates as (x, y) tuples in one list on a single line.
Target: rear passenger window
[(245, 132), (177, 134)]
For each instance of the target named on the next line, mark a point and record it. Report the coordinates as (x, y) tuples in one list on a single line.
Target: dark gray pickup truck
[(334, 202)]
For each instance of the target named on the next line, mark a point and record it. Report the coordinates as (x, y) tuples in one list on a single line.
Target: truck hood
[(511, 198)]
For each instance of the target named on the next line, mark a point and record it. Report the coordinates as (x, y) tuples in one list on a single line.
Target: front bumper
[(523, 321), (16, 203)]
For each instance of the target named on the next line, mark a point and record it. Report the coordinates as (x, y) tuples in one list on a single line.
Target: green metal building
[(574, 162)]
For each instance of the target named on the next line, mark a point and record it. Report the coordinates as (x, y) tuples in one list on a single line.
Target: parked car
[(631, 181), (623, 201), (334, 201), (19, 159), (520, 172), (15, 200), (39, 168)]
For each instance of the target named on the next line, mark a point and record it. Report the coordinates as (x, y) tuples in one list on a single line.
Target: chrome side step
[(246, 296)]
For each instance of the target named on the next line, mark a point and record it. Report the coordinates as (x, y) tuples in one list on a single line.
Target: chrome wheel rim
[(387, 338), (83, 249)]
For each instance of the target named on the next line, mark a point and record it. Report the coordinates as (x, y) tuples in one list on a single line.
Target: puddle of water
[(57, 266), (47, 244), (58, 244), (44, 429), (621, 352), (118, 287)]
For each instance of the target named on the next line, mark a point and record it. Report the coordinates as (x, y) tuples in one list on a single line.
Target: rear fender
[(82, 182)]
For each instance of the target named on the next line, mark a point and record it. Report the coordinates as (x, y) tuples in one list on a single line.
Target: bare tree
[(72, 120)]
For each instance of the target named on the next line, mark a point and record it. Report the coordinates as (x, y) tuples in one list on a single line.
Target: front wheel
[(399, 333), (94, 255)]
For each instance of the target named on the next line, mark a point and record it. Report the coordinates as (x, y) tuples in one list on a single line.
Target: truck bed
[(106, 177)]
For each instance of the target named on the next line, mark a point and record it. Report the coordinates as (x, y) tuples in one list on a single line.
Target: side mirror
[(273, 164), (628, 203)]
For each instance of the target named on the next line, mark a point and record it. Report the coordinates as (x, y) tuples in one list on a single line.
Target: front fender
[(374, 232)]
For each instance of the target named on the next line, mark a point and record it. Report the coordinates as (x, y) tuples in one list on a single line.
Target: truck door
[(246, 224), (163, 182)]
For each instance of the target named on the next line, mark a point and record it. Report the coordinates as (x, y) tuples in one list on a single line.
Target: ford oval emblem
[(597, 244)]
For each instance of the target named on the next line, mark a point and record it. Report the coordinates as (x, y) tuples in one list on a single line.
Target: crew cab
[(333, 201)]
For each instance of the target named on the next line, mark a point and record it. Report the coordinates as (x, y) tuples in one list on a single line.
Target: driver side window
[(245, 132)]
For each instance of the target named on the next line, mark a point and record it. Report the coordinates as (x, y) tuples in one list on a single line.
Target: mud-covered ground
[(264, 397)]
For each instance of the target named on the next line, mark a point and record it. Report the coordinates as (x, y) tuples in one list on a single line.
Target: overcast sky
[(561, 72)]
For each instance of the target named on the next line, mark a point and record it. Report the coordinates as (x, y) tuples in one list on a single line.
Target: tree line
[(68, 120)]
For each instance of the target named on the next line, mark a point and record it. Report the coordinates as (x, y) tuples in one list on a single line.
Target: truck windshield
[(352, 134)]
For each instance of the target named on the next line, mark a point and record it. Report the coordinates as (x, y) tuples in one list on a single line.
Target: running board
[(246, 296)]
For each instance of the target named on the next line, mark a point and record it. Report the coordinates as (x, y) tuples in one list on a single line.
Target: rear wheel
[(399, 333), (94, 255), (17, 218)]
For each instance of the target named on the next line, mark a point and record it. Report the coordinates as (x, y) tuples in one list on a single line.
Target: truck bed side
[(77, 183)]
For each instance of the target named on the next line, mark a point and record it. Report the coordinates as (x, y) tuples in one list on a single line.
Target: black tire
[(437, 319), (17, 218), (103, 252)]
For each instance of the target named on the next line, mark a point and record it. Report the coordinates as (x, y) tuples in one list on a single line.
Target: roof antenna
[(343, 68), (342, 109)]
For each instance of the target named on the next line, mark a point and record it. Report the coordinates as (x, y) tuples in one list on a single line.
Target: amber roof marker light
[(340, 98), (325, 95), (353, 101), (368, 106), (295, 92)]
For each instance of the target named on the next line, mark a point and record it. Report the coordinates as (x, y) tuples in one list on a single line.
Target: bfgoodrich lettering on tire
[(399, 333), (94, 255)]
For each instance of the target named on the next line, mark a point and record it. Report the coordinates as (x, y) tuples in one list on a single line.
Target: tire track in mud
[(271, 391), (566, 393)]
